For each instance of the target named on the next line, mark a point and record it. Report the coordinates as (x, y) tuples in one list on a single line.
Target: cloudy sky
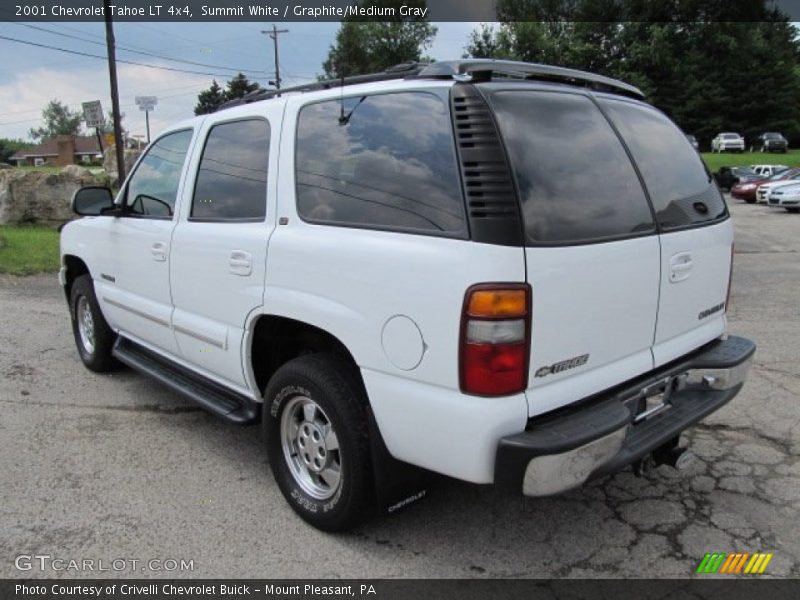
[(31, 76)]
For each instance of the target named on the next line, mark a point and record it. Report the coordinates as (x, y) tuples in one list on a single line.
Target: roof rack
[(474, 70), (401, 71), (480, 69)]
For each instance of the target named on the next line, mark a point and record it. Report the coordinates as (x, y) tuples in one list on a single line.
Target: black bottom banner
[(416, 589)]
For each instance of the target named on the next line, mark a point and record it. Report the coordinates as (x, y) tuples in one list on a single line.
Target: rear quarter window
[(576, 182), (679, 185), (384, 161)]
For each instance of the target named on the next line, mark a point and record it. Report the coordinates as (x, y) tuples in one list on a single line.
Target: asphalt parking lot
[(115, 466)]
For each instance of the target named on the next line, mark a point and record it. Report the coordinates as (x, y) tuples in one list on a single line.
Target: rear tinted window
[(575, 180), (385, 161), (680, 188)]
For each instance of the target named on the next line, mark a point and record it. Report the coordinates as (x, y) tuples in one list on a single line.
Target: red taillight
[(495, 339)]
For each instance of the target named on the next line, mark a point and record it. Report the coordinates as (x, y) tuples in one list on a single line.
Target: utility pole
[(274, 33), (112, 75)]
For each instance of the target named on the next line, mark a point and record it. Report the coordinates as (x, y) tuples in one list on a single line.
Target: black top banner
[(396, 10)]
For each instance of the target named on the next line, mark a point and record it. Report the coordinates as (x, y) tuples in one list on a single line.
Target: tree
[(239, 87), (108, 125), (209, 100), (58, 120), (363, 46), (707, 65), (8, 147)]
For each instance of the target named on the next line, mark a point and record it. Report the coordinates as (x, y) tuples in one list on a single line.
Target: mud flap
[(397, 483)]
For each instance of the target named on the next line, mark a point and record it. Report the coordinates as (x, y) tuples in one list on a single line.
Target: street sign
[(93, 114), (146, 102)]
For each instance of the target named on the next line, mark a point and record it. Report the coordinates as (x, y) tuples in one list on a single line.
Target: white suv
[(434, 269), (727, 141)]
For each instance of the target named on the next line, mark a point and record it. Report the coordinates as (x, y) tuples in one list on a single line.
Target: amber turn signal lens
[(497, 303)]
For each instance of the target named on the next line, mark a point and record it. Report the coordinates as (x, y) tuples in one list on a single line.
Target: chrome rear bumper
[(562, 450)]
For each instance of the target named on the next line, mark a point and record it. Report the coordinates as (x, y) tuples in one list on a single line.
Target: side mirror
[(92, 201)]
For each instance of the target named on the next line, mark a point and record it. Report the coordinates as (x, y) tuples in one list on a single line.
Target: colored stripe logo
[(734, 563)]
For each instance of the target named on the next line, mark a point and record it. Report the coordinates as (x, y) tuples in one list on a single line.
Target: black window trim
[(528, 242), (594, 96), (124, 193), (189, 217), (660, 229), (441, 93)]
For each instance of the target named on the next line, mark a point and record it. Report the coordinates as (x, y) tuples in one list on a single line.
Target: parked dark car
[(771, 142), (727, 177), (693, 141)]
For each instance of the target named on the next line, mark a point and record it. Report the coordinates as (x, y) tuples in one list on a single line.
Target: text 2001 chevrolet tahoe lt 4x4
[(503, 272)]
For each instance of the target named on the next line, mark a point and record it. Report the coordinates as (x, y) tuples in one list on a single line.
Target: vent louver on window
[(492, 204)]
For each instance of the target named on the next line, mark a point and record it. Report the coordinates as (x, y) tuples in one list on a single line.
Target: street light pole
[(112, 75), (274, 33)]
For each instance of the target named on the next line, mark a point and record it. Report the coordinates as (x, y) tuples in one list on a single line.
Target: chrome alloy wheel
[(83, 313), (311, 448)]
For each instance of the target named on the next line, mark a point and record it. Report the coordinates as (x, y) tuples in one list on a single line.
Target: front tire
[(315, 426), (93, 337)]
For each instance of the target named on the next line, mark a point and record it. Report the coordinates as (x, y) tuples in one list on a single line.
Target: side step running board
[(213, 397)]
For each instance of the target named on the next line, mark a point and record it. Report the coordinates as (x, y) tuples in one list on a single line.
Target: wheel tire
[(793, 210), (749, 201), (93, 337), (325, 501)]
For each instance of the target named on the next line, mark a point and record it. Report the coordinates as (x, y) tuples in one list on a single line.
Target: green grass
[(28, 250), (728, 159), (41, 169)]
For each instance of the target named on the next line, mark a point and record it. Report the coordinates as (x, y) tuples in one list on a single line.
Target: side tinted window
[(680, 188), (575, 180), (232, 179), (153, 188), (386, 161)]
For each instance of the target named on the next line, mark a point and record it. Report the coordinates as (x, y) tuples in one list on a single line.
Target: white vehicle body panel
[(218, 268), (606, 296), (694, 278)]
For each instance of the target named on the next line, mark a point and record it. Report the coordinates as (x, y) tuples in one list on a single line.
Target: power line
[(142, 52), (127, 62)]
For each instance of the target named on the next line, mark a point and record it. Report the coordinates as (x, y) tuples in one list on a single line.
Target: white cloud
[(23, 97)]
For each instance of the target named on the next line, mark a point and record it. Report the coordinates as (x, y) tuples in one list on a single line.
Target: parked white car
[(725, 142), (379, 270), (764, 189), (787, 196), (767, 170)]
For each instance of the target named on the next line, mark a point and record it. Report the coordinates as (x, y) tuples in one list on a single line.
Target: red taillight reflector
[(495, 339), (494, 369)]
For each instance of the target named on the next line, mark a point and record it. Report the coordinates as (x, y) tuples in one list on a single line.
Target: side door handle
[(159, 251), (240, 263), (680, 267)]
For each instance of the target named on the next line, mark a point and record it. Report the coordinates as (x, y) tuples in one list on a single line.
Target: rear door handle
[(159, 251), (680, 267), (240, 263)]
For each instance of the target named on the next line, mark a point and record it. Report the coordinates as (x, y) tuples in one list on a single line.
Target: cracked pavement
[(115, 466)]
